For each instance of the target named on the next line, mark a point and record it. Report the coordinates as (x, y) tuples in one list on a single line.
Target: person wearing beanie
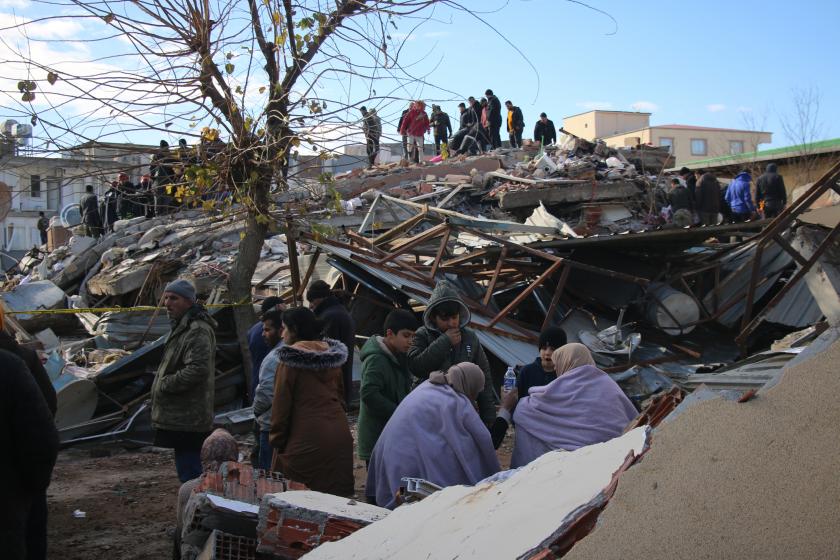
[(183, 388), (338, 324)]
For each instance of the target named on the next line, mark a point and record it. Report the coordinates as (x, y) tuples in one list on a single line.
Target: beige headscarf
[(466, 378), (571, 356)]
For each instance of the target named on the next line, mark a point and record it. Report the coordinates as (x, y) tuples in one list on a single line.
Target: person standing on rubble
[(708, 198), (445, 340), (30, 446), (739, 197), (441, 126), (330, 306), (43, 226), (690, 184), (183, 389), (544, 130), (128, 204), (415, 126), (770, 192), (372, 129), (108, 208), (89, 206), (272, 333), (404, 136), (146, 196), (494, 118), (515, 124), (680, 200), (309, 430)]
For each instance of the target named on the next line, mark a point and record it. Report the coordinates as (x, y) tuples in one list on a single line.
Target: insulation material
[(736, 480), (486, 520)]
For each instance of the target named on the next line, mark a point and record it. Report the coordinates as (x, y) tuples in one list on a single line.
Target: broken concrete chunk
[(154, 234), (293, 523), (78, 244)]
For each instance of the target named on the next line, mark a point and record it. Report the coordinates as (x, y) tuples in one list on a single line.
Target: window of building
[(669, 142), (736, 147), (699, 147), (35, 186)]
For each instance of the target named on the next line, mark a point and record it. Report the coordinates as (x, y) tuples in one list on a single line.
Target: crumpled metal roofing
[(508, 350)]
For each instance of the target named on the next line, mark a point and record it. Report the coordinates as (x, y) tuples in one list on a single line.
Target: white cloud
[(644, 106), (20, 4), (716, 107), (592, 105)]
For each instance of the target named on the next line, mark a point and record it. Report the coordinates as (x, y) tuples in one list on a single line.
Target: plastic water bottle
[(510, 380)]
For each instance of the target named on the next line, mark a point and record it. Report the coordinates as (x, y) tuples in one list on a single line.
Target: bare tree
[(267, 76), (803, 127)]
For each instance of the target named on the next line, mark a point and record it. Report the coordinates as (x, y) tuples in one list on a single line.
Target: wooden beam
[(558, 291), (526, 292), (414, 241), (399, 229), (441, 251), (275, 272), (309, 270), (449, 197), (495, 278), (293, 260)]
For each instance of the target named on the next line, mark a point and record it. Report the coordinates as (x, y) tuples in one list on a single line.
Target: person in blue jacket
[(739, 197)]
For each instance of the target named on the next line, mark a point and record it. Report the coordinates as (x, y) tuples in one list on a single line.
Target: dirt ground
[(128, 500)]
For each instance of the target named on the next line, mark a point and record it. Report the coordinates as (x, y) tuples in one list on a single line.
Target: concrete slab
[(570, 194)]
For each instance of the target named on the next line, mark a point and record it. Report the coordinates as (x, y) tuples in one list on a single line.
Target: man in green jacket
[(385, 378), (182, 392), (445, 340)]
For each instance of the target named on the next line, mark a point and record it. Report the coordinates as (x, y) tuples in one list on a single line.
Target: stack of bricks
[(293, 523), (240, 481)]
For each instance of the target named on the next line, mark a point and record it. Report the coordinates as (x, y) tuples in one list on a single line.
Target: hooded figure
[(739, 197), (445, 340), (309, 430), (435, 434), (583, 406), (770, 189)]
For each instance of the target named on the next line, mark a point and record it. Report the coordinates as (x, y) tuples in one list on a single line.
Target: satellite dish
[(71, 215), (5, 200)]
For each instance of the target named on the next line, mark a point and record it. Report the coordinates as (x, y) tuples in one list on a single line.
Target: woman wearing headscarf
[(309, 430), (435, 434), (581, 407), (217, 448)]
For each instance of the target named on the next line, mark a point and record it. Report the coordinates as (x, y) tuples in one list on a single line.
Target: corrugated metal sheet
[(797, 309), (508, 350)]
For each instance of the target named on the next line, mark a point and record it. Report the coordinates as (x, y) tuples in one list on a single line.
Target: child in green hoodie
[(386, 379)]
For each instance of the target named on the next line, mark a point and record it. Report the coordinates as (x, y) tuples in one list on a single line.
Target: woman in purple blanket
[(581, 407), (435, 434)]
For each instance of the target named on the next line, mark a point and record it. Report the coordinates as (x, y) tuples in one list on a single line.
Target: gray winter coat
[(432, 350)]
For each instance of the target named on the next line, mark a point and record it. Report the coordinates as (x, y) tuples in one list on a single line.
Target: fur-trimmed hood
[(314, 354)]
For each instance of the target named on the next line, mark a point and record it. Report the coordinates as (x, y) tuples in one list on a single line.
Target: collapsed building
[(571, 236)]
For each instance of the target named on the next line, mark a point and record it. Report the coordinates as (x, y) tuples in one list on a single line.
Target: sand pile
[(729, 480)]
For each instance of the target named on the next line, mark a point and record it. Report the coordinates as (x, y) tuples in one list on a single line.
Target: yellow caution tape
[(140, 309)]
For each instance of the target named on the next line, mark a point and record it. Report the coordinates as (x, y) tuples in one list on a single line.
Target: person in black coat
[(770, 189), (515, 124), (442, 127), (707, 198), (338, 324), (494, 118), (30, 445), (544, 130), (690, 184)]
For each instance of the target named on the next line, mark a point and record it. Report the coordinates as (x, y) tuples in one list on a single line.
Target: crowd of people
[(427, 404), (160, 191), (479, 128), (696, 197)]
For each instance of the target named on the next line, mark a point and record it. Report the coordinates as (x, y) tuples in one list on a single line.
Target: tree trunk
[(241, 273)]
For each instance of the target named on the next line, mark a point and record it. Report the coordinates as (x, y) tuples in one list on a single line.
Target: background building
[(687, 143)]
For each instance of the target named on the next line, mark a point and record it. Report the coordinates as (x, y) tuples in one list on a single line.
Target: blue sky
[(701, 63), (732, 64)]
